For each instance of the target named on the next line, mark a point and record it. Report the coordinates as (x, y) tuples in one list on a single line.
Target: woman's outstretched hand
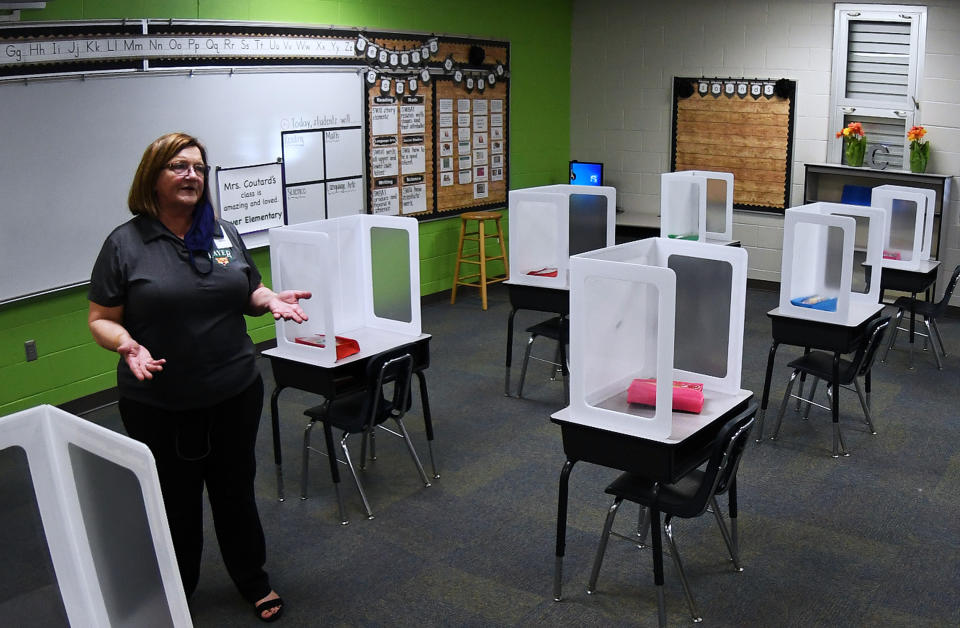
[(138, 358), (286, 305)]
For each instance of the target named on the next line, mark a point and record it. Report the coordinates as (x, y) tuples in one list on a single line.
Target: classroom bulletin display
[(441, 147), (300, 123), (741, 126)]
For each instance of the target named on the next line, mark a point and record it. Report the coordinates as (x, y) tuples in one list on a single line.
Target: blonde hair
[(143, 196)]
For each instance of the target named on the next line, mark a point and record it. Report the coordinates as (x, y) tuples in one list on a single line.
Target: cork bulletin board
[(742, 126), (441, 147)]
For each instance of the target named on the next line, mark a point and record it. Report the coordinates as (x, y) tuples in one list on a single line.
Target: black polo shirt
[(193, 320)]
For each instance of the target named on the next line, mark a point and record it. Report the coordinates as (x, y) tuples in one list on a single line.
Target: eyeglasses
[(181, 168)]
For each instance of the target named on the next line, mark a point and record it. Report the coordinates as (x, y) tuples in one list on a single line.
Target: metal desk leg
[(655, 533), (275, 425), (506, 380), (835, 409), (561, 530), (766, 389), (427, 420), (913, 318)]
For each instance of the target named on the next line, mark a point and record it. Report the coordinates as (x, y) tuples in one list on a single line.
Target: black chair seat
[(820, 364), (673, 498), (555, 328), (347, 413), (923, 308)]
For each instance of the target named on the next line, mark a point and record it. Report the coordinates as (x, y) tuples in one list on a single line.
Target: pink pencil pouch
[(687, 396)]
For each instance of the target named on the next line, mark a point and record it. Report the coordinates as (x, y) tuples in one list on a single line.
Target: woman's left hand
[(286, 305)]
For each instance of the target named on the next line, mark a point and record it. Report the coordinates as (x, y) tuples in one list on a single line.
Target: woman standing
[(175, 282)]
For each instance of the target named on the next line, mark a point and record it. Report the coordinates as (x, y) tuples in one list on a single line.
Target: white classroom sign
[(251, 197)]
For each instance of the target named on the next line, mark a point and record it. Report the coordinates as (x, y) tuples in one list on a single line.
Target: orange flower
[(853, 131), (916, 133)]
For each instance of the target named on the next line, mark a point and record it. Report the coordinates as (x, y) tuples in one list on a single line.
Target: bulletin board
[(737, 125), (438, 141)]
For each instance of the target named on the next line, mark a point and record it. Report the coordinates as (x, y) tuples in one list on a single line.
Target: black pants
[(212, 446)]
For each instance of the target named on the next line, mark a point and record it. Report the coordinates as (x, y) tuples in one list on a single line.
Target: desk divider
[(909, 228), (551, 222), (364, 274), (817, 267), (103, 518), (630, 305)]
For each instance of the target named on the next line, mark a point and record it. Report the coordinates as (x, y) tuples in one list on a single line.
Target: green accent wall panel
[(71, 365)]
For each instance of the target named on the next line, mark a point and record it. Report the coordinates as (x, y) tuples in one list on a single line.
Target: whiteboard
[(71, 147)]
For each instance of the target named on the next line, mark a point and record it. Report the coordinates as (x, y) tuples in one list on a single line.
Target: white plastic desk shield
[(364, 273), (540, 225), (683, 205), (103, 518), (718, 220), (909, 232), (624, 319), (818, 248)]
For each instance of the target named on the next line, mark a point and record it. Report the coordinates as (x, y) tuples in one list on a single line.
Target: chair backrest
[(390, 368), (726, 452), (867, 351), (941, 307)]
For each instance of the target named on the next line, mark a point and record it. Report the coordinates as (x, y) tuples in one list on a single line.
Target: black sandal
[(276, 603)]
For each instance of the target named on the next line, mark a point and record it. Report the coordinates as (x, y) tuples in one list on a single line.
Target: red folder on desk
[(687, 396), (544, 272), (345, 346)]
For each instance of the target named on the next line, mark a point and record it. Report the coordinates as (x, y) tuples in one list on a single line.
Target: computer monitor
[(586, 173)]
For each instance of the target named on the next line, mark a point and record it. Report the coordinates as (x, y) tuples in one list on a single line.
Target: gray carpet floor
[(868, 540)]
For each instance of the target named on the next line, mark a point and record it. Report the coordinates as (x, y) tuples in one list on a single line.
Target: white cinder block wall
[(625, 54)]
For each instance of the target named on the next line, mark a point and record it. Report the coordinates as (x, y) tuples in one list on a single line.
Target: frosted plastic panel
[(832, 264), (716, 205), (390, 263), (903, 220), (588, 223), (621, 339), (23, 546), (702, 333), (120, 541)]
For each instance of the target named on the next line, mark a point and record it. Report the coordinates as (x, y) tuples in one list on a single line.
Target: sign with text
[(250, 197)]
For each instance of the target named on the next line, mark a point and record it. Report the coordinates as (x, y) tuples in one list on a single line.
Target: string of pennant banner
[(404, 70), (755, 88)]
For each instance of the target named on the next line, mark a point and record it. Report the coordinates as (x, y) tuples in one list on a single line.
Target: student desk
[(343, 377), (912, 281), (838, 338), (538, 299), (620, 447)]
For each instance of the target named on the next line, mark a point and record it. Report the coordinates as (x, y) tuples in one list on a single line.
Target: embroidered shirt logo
[(222, 256)]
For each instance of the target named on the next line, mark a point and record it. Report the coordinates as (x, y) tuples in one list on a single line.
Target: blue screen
[(586, 173)]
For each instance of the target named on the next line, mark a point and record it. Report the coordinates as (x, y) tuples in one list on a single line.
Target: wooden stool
[(480, 257)]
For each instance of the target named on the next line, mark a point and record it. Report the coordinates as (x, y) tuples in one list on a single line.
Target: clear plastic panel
[(588, 222), (23, 545), (621, 338), (118, 531), (833, 262), (716, 205), (702, 333), (903, 224), (301, 268), (390, 267)]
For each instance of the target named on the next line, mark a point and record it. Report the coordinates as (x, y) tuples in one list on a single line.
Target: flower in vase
[(854, 143), (919, 149)]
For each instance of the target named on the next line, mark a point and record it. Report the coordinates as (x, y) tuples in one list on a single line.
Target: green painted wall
[(71, 365)]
